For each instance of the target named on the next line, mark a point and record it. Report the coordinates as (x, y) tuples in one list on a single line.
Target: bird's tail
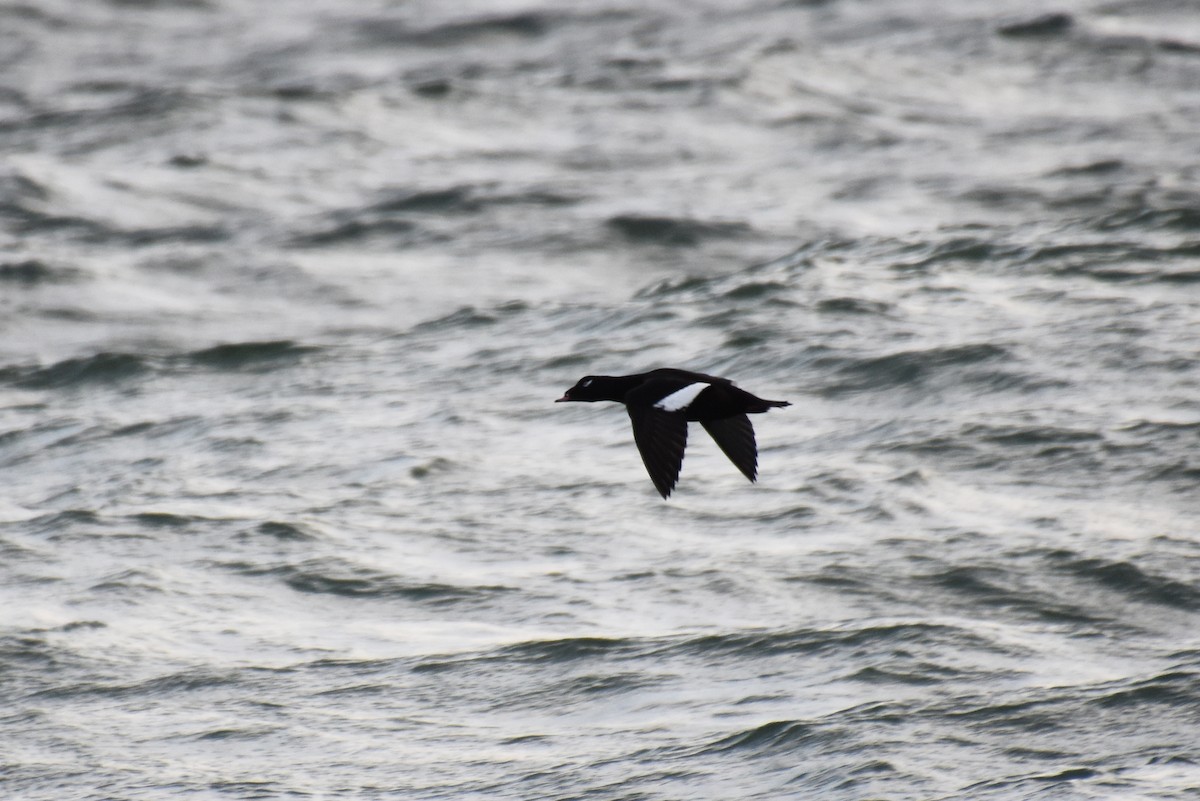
[(763, 405)]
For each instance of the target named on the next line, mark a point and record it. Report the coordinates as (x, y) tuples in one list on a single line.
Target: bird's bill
[(563, 398)]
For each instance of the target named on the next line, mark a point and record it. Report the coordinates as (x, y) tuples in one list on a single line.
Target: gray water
[(287, 292)]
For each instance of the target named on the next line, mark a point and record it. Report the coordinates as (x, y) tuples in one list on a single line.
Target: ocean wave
[(672, 231), (109, 367), (851, 305), (159, 687), (406, 217), (991, 587), (254, 356), (1043, 712), (537, 652), (340, 578), (286, 531), (780, 736), (100, 368), (35, 272), (569, 649), (358, 227), (751, 644), (1030, 435), (1174, 692), (526, 24), (917, 367), (1128, 579)]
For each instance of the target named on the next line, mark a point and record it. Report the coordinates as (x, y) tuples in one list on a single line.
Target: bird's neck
[(614, 387)]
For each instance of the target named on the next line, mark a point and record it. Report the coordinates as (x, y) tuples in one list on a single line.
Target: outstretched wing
[(735, 435), (661, 438)]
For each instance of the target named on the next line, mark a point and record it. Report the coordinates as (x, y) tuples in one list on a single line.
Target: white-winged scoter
[(662, 402)]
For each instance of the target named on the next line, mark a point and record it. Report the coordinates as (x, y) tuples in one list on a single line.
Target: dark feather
[(735, 435), (661, 438)]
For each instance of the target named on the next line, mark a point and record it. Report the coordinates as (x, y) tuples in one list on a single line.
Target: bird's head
[(588, 388)]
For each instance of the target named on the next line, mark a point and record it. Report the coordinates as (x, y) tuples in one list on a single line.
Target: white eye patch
[(680, 399), (586, 383)]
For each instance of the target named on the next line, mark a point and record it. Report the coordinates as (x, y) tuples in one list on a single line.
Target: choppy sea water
[(286, 297)]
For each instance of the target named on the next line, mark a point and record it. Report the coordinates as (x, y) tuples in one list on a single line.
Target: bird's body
[(660, 405)]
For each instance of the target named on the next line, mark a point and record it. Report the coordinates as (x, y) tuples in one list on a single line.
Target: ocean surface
[(287, 292)]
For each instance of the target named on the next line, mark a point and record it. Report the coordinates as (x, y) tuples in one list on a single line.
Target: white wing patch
[(680, 399)]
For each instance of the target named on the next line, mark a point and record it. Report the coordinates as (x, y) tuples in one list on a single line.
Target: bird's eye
[(587, 382)]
